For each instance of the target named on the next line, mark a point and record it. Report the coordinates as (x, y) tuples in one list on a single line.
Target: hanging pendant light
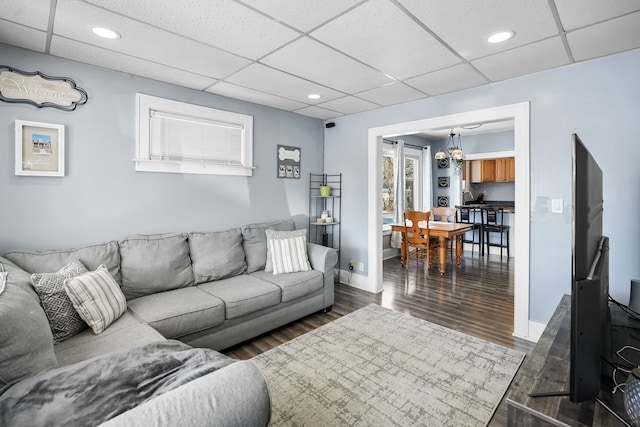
[(455, 150)]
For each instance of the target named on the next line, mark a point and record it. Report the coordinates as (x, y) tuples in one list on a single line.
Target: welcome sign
[(39, 89)]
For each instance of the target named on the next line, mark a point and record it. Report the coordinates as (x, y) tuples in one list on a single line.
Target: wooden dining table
[(442, 231)]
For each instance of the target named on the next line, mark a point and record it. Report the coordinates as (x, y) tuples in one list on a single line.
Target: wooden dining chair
[(445, 214), (416, 237)]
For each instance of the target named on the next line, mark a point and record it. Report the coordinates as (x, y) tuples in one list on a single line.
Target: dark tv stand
[(547, 369)]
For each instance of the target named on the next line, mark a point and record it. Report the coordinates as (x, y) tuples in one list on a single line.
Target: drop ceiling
[(358, 55)]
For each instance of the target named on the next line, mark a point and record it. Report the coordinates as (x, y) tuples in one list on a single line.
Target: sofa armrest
[(324, 259), (236, 395)]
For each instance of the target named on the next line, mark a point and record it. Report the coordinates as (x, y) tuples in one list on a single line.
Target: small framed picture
[(39, 149), (443, 182), (443, 163)]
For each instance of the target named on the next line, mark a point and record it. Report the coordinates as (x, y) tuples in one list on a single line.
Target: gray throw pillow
[(273, 234), (217, 255), (64, 320), (255, 242), (154, 263), (27, 342)]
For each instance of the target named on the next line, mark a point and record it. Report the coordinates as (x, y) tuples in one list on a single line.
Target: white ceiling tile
[(80, 52), (32, 13), (465, 24), (616, 35), (395, 93), (261, 77), (380, 34), (349, 105), (225, 24), (21, 36), (314, 61), (303, 15), (579, 13), (458, 77), (255, 96), (143, 41), (318, 113), (523, 60)]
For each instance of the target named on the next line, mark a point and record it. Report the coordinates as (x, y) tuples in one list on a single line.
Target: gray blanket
[(93, 391)]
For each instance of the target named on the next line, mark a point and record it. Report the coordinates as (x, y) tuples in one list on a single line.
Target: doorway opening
[(519, 114)]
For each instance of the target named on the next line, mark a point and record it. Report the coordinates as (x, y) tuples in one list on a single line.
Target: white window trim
[(146, 104)]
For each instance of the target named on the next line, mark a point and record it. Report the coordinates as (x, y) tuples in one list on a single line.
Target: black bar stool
[(493, 222), (467, 215)]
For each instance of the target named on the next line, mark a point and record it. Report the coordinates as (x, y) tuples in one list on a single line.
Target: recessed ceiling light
[(105, 32), (501, 36), (314, 96)]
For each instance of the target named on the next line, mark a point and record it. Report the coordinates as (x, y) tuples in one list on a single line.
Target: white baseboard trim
[(357, 281), (535, 331)]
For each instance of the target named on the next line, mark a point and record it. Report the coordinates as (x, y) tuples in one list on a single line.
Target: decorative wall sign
[(39, 89), (443, 201), (39, 149), (443, 163), (443, 181), (288, 162)]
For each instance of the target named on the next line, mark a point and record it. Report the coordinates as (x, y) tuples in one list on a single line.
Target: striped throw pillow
[(97, 298), (288, 255)]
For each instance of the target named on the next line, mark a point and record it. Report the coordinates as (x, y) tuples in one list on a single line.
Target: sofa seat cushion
[(243, 294), (217, 255), (154, 263), (90, 256), (126, 332), (179, 312), (293, 285)]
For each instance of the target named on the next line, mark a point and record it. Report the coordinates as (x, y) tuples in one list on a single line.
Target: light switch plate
[(557, 206)]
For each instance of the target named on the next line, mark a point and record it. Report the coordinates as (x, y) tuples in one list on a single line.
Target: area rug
[(379, 367)]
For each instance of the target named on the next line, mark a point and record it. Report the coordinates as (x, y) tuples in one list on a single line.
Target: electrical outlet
[(352, 265), (361, 266)]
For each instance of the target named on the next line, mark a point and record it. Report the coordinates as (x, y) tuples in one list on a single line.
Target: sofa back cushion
[(217, 255), (27, 341), (255, 241), (154, 263), (90, 256)]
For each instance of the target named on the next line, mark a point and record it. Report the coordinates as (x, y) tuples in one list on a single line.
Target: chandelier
[(455, 151)]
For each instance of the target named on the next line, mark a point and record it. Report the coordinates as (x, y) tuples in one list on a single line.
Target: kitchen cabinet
[(511, 169), (483, 171), (493, 170)]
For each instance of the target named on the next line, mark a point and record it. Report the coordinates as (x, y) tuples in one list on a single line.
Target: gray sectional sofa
[(206, 290)]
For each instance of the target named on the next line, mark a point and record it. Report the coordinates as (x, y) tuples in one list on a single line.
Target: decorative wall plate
[(443, 201), (443, 181), (443, 163)]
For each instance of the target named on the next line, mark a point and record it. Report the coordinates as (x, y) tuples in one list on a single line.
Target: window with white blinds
[(186, 138)]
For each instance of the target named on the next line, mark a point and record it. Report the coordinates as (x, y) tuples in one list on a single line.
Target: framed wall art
[(288, 160), (443, 201), (443, 163), (39, 149)]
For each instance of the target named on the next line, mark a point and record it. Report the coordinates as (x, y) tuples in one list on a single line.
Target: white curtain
[(399, 193), (427, 174)]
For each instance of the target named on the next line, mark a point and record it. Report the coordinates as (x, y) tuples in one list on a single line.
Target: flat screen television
[(590, 318)]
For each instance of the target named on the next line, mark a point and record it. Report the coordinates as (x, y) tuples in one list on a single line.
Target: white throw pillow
[(288, 251), (97, 298), (278, 234)]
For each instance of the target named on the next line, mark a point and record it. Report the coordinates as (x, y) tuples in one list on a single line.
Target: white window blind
[(175, 137), (184, 138)]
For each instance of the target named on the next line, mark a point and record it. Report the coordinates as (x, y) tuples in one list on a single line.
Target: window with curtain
[(413, 177), (185, 138)]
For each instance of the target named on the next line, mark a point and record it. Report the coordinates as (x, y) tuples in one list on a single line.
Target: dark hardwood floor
[(476, 298)]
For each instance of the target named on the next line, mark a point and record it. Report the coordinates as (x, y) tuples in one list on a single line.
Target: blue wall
[(102, 197), (598, 99)]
